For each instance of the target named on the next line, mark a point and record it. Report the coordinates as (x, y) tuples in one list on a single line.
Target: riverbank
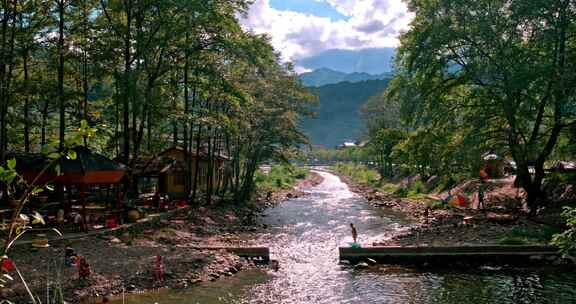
[(126, 263), (454, 226)]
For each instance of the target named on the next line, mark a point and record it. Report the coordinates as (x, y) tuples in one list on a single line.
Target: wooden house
[(167, 173)]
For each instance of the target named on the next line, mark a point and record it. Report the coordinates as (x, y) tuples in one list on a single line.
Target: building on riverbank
[(168, 172)]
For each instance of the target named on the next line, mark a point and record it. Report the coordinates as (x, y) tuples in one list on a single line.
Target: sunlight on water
[(305, 234)]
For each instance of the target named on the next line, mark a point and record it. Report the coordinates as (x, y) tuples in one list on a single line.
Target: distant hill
[(326, 76), (372, 60), (338, 115)]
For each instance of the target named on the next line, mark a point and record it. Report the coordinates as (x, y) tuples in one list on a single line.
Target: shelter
[(86, 170), (167, 172)]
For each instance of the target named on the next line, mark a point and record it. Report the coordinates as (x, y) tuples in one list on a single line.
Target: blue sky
[(312, 7), (304, 28)]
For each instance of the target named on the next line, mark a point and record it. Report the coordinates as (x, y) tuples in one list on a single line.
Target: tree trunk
[(127, 83), (26, 104), (61, 97)]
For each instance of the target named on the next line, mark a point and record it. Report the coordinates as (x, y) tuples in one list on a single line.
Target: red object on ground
[(7, 265), (111, 223), (459, 200)]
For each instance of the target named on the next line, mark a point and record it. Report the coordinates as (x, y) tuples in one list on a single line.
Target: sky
[(304, 28)]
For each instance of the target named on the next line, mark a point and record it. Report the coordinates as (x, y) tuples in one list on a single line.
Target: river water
[(304, 236)]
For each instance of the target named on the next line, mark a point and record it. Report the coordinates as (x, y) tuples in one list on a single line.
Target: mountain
[(326, 76), (338, 116), (372, 61)]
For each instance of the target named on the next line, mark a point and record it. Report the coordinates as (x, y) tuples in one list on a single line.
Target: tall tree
[(511, 63)]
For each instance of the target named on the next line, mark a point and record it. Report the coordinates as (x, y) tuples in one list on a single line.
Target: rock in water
[(361, 265)]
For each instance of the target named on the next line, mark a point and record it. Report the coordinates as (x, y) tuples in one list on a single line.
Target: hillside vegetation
[(338, 115)]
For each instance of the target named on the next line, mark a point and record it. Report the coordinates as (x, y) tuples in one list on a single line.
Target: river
[(304, 235)]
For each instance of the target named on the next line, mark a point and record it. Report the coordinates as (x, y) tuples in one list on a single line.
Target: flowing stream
[(304, 236)]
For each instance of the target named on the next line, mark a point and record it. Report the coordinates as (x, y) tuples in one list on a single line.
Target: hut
[(87, 170), (167, 172)]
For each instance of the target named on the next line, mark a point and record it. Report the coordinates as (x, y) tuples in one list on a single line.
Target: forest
[(147, 75), (477, 77)]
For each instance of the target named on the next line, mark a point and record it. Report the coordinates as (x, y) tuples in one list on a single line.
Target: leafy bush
[(279, 177), (359, 173), (566, 240)]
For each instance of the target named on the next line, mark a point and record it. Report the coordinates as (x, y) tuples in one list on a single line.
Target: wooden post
[(83, 201)]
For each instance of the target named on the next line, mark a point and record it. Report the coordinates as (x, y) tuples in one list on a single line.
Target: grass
[(359, 174), (280, 177)]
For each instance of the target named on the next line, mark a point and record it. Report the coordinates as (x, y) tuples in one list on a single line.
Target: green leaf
[(12, 164), (72, 154), (57, 169), (37, 218), (54, 155), (50, 187)]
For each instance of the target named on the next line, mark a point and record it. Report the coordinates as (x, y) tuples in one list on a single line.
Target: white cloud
[(372, 24)]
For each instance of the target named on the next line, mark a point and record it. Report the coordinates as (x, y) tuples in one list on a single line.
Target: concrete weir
[(441, 255), (262, 253)]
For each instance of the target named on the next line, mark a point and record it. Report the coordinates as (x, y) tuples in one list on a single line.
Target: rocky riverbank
[(455, 226), (126, 262)]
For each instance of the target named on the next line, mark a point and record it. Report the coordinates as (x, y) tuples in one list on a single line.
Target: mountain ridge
[(338, 115), (325, 76)]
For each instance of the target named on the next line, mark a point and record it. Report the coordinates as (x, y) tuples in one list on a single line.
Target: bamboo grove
[(148, 74)]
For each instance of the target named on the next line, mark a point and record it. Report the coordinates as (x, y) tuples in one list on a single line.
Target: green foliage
[(566, 240), (358, 173), (471, 80), (438, 205), (416, 188), (338, 118), (279, 177)]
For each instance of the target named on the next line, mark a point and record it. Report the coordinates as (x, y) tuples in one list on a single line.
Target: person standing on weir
[(354, 233)]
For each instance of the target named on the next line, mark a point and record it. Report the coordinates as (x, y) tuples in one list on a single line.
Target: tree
[(510, 63)]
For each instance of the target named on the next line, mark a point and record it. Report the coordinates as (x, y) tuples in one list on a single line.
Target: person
[(159, 269), (83, 268), (354, 233), (481, 189), (69, 256), (60, 218)]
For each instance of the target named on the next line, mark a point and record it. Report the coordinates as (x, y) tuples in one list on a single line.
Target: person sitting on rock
[(84, 270)]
